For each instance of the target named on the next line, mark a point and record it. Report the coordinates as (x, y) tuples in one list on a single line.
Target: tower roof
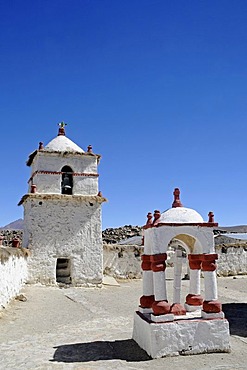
[(62, 144)]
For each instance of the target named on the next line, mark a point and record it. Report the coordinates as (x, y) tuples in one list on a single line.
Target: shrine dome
[(180, 215)]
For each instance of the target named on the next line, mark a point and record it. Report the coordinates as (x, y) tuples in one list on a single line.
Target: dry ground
[(89, 328)]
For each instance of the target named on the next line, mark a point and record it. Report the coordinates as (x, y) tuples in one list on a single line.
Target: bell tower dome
[(62, 213)]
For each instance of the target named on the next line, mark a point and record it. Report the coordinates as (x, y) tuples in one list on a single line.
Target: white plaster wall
[(161, 236), (13, 272), (233, 262), (51, 184), (122, 261), (85, 185), (46, 183), (63, 228), (55, 161)]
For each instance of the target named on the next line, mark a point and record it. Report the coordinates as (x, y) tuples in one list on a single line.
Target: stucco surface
[(13, 273), (181, 337), (63, 228), (180, 215), (55, 161), (157, 239), (63, 143), (232, 260)]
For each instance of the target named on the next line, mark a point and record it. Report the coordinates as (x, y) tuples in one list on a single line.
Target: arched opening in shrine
[(67, 180)]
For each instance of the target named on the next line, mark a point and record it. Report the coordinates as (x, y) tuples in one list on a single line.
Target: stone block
[(181, 337)]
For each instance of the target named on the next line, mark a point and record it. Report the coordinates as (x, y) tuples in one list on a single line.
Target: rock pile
[(110, 235), (9, 235), (115, 235)]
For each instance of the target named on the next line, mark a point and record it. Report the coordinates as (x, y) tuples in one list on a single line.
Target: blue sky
[(158, 87)]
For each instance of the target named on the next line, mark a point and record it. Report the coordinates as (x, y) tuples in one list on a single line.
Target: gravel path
[(91, 328)]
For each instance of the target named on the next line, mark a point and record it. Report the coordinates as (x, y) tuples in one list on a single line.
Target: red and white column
[(211, 306), (161, 307), (147, 300), (194, 299)]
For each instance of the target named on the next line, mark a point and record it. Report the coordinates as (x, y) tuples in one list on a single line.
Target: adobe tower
[(62, 214)]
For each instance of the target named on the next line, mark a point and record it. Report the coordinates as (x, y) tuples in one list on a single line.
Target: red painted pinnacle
[(176, 202), (211, 217), (156, 217), (41, 145), (149, 218)]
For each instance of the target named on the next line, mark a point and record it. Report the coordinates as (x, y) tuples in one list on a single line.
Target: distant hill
[(15, 225), (114, 235), (233, 229)]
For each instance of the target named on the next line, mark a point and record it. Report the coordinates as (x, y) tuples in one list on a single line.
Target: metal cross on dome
[(62, 124)]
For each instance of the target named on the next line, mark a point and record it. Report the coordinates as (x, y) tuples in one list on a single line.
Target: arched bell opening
[(67, 180)]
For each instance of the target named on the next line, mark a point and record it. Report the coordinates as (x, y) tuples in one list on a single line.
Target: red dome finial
[(211, 217), (176, 202), (156, 217), (90, 149), (149, 219), (41, 145), (61, 130)]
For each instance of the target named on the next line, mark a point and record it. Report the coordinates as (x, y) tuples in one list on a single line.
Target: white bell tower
[(62, 214)]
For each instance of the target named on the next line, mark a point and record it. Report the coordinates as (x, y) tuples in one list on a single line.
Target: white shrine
[(164, 326), (62, 214)]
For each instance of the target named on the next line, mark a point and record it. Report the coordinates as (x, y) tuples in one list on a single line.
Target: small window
[(67, 180)]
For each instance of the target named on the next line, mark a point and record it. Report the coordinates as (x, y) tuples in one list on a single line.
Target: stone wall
[(122, 261), (13, 272), (9, 235), (232, 259)]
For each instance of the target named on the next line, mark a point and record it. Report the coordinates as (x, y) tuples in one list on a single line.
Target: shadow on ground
[(236, 314), (126, 350)]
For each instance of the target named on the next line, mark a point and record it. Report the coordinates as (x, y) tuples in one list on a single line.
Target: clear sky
[(158, 87)]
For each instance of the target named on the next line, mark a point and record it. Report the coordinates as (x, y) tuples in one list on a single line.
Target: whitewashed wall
[(232, 260), (51, 183), (123, 261), (66, 228), (13, 273)]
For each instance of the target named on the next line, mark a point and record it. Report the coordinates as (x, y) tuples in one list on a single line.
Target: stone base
[(190, 308), (211, 315), (145, 310), (162, 318), (181, 337)]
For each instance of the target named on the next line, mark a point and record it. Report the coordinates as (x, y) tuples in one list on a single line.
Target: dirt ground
[(91, 328)]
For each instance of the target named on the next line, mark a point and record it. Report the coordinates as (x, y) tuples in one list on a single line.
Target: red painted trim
[(195, 261), (146, 301), (212, 306), (60, 173), (146, 257), (208, 262), (161, 257), (158, 262), (209, 257), (161, 307), (202, 224), (194, 299)]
